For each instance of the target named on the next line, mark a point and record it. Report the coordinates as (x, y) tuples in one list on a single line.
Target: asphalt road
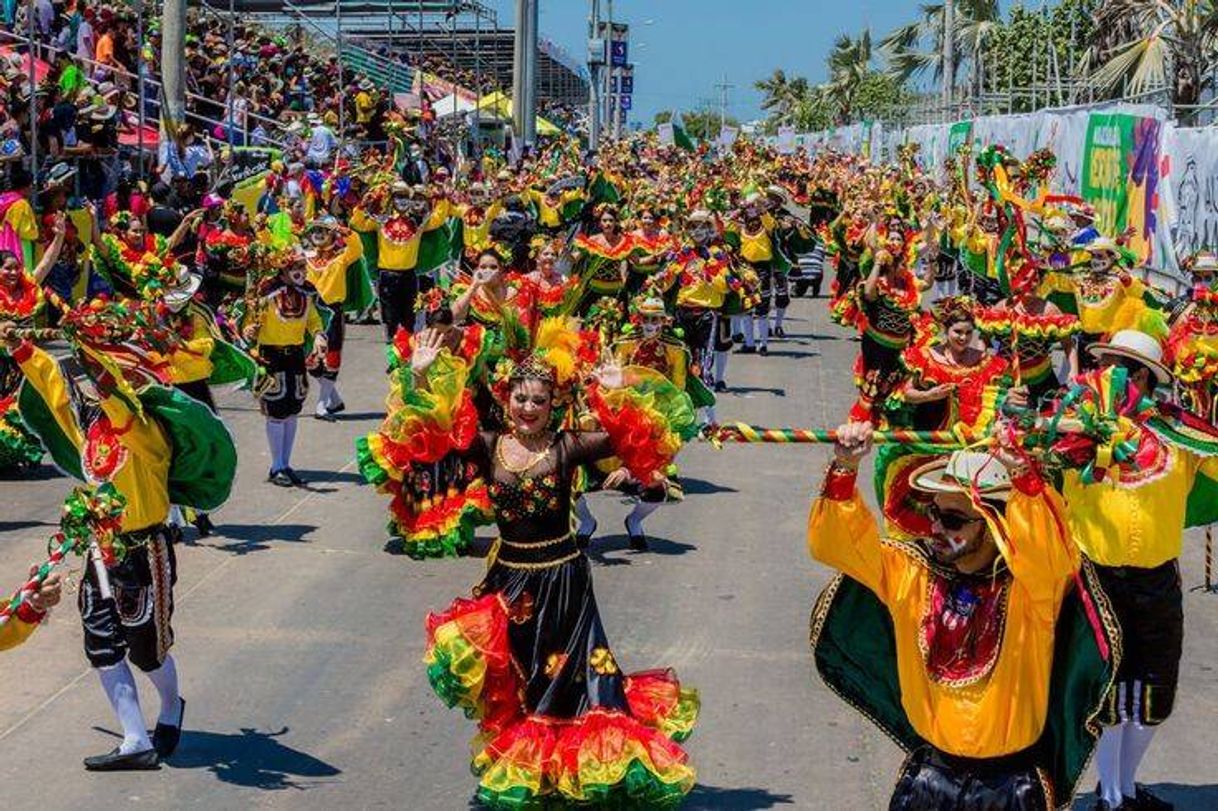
[(300, 637)]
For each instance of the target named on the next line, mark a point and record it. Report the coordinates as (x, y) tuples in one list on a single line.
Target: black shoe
[(747, 350), (763, 350), (720, 386), (324, 416), (293, 477), (338, 409), (778, 332), (582, 540), (174, 532), (738, 338), (165, 737), (203, 525), (279, 478), (637, 542), (1145, 801), (114, 761)]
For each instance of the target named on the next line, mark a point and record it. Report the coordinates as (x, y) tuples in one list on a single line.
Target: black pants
[(773, 288), (397, 291), (1149, 607), (936, 781), (135, 622), (289, 385)]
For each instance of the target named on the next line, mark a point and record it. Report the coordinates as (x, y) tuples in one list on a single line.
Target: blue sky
[(683, 48)]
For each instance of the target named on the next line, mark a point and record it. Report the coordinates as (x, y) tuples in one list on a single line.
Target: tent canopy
[(501, 105)]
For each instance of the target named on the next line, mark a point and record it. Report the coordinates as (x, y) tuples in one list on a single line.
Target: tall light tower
[(596, 60), (524, 72)]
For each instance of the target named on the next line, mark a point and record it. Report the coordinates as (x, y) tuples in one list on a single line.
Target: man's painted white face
[(651, 327)]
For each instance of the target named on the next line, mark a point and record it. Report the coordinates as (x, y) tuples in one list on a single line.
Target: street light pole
[(595, 61)]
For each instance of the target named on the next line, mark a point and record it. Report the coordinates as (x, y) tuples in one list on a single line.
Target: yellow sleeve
[(1037, 546), (1209, 467), (439, 215), (360, 220), (43, 374), (843, 534), (354, 250), (314, 324), (204, 342), (15, 631), (677, 362)]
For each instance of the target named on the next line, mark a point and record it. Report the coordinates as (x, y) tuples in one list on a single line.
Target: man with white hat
[(1130, 523), (950, 641)]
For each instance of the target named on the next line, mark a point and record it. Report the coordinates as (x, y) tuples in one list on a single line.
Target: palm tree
[(917, 48), (782, 95), (849, 63), (1155, 44)]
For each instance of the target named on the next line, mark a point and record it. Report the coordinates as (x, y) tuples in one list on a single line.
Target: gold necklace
[(536, 457)]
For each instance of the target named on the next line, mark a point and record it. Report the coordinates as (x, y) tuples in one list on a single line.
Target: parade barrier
[(1134, 165)]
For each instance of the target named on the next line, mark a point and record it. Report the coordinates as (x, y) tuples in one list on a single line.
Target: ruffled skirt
[(559, 722)]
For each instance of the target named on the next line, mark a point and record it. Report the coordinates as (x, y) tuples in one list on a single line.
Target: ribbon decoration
[(89, 515)]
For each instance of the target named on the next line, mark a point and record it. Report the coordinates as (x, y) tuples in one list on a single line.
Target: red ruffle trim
[(635, 434), (483, 623), (430, 444)]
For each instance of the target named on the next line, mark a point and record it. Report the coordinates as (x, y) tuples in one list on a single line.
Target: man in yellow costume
[(961, 645), (1130, 523)]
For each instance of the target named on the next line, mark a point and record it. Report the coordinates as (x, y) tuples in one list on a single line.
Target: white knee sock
[(289, 439), (1134, 744), (165, 679), (746, 326), (763, 329), (176, 518), (779, 314), (274, 438), (584, 515), (1108, 763), (720, 365), (120, 688), (634, 521), (326, 396)]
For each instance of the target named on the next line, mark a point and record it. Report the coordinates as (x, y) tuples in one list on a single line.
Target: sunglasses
[(950, 520)]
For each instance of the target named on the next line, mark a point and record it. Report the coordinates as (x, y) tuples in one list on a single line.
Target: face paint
[(651, 328)]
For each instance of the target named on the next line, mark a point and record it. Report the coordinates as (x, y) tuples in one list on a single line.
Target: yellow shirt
[(477, 238), (395, 254), (330, 278), (1134, 523), (549, 216), (144, 477), (756, 247), (1003, 712), (672, 363), (191, 360), (278, 329)]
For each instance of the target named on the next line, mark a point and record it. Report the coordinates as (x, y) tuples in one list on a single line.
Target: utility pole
[(723, 87), (949, 56), (610, 72), (596, 58), (524, 72), (173, 77)]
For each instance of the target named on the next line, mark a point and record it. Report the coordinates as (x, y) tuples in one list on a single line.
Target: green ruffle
[(369, 468)]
